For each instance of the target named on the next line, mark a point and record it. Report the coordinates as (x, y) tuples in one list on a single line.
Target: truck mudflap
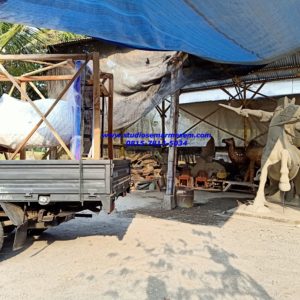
[(108, 203), (18, 218)]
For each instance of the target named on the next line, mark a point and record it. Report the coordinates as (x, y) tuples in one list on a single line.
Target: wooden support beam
[(11, 89), (37, 78), (39, 62), (49, 111), (44, 57), (102, 113), (96, 108), (110, 118), (169, 201), (36, 90), (45, 68), (23, 151)]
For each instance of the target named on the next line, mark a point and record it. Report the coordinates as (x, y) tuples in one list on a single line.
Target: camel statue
[(237, 156), (281, 158), (251, 156), (208, 152)]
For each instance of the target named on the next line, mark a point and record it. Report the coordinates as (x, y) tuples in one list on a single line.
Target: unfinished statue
[(281, 158)]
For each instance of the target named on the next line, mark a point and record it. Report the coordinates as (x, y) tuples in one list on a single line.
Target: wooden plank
[(39, 62), (96, 108), (45, 69), (38, 78), (45, 57)]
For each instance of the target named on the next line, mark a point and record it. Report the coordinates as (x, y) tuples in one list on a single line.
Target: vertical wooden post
[(23, 151), (96, 108), (110, 118), (102, 111), (169, 201)]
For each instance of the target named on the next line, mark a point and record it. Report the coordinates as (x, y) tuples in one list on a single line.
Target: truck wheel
[(1, 236)]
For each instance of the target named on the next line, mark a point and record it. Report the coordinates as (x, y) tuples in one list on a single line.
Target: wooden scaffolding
[(102, 91)]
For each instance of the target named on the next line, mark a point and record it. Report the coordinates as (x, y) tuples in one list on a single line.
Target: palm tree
[(17, 39)]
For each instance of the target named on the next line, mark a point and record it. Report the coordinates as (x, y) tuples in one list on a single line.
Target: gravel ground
[(141, 252)]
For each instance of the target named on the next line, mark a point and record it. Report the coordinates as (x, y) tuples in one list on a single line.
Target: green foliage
[(15, 39), (21, 39)]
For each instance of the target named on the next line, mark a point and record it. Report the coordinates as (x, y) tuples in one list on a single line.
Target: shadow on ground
[(204, 214), (100, 226), (213, 276)]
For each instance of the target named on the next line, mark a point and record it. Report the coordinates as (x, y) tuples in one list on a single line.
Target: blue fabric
[(243, 31), (76, 136)]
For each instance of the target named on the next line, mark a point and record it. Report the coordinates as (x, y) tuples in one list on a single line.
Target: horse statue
[(281, 158)]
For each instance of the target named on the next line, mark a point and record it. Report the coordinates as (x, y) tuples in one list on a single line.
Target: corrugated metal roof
[(284, 68)]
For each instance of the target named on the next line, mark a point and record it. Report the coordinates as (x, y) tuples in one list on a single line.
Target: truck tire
[(1, 236)]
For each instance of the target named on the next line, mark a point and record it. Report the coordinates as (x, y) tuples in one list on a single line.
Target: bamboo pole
[(36, 90)]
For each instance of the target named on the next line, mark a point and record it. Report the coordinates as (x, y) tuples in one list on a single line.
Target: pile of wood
[(145, 168)]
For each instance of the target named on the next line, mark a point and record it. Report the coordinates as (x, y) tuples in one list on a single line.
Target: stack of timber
[(146, 171)]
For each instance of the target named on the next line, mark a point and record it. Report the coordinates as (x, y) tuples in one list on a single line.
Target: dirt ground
[(141, 252)]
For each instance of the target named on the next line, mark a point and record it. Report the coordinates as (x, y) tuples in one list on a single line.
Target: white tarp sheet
[(18, 118)]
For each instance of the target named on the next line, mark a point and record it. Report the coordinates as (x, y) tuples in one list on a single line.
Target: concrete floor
[(141, 252)]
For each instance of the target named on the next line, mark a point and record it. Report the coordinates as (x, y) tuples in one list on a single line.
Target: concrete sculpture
[(281, 158)]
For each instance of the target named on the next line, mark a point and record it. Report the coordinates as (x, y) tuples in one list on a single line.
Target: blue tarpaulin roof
[(235, 31)]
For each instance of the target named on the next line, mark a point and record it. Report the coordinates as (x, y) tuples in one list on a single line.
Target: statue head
[(228, 141), (283, 103)]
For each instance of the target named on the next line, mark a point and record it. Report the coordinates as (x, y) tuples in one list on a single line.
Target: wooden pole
[(36, 90), (102, 111), (96, 108), (23, 151), (46, 68), (169, 201), (110, 118)]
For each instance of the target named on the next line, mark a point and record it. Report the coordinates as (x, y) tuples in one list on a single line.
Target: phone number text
[(172, 143)]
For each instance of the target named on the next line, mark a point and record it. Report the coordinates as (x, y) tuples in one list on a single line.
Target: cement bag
[(17, 119)]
